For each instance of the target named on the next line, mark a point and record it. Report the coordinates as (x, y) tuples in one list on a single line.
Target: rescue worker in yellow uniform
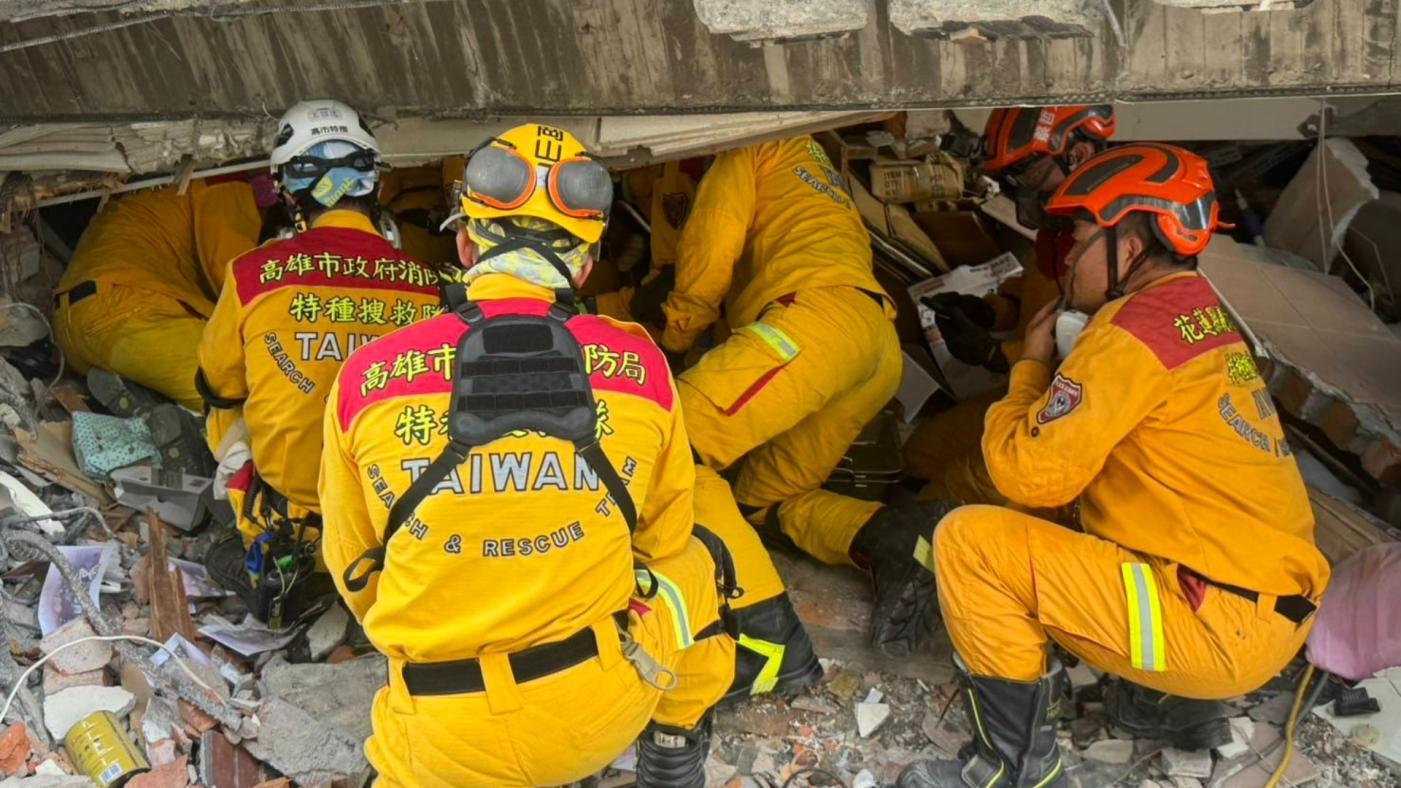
[(290, 314), (1030, 151), (775, 238), (1195, 576), (135, 297), (514, 525)]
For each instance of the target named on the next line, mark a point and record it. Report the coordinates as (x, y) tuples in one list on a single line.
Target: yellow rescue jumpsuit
[(416, 197), (144, 279), (668, 191), (533, 553), (945, 449), (290, 314), (1160, 424), (813, 357)]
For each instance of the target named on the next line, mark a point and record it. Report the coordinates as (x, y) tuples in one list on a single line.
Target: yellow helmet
[(538, 171)]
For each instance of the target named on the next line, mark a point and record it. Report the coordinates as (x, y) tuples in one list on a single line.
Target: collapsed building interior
[(1310, 272)]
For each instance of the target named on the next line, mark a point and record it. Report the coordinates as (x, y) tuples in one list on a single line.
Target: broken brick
[(172, 775), (16, 745), (56, 680), (196, 720)]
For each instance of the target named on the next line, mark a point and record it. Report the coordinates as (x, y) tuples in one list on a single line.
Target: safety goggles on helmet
[(313, 166), (500, 177), (1171, 184), (1021, 134)]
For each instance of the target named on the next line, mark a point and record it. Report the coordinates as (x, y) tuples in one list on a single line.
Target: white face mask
[(1069, 324)]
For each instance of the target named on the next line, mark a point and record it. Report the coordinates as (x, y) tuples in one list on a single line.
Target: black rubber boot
[(224, 560), (120, 396), (669, 757), (177, 433), (1185, 723), (1014, 737), (894, 546), (773, 653)]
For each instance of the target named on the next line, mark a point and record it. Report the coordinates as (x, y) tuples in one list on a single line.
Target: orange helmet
[(1165, 180), (1016, 135)]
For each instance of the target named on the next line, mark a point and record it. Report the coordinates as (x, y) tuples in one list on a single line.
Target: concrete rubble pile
[(108, 611)]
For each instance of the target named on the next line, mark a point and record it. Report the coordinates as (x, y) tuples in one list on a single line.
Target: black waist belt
[(79, 291), (465, 675), (1295, 608)]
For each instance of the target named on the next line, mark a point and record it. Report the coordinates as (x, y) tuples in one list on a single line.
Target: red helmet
[(1165, 180), (1019, 134)]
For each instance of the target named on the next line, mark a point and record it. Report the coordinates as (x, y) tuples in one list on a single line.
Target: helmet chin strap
[(1117, 285), (563, 295)]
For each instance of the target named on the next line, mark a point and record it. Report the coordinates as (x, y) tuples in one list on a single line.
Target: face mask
[(1069, 325)]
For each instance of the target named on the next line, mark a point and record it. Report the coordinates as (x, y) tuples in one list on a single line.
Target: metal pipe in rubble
[(204, 700)]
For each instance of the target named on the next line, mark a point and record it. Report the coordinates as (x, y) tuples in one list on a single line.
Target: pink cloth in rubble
[(1358, 631)]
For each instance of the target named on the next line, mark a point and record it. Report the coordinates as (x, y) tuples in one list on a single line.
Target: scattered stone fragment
[(1081, 676), (328, 631), (1274, 711), (864, 779), (874, 696), (869, 717), (1110, 751), (717, 772), (809, 703), (1186, 782), (844, 686), (1186, 763), (1242, 728), (16, 745), (50, 767), (84, 657), (63, 710), (171, 775), (161, 753), (56, 680)]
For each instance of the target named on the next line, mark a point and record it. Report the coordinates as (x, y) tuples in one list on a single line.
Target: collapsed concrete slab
[(781, 20), (315, 717), (977, 20)]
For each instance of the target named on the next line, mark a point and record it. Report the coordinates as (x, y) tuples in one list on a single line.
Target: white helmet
[(308, 123)]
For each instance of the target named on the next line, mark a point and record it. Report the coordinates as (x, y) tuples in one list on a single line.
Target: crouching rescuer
[(290, 313), (514, 526), (1195, 577)]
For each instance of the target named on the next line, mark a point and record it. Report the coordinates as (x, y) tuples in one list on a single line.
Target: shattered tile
[(56, 680), (63, 710), (1186, 763), (869, 717), (82, 658), (1117, 751), (1274, 711), (1242, 728), (328, 631), (171, 775)]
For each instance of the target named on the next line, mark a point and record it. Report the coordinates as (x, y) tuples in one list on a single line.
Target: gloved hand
[(651, 294), (966, 323)]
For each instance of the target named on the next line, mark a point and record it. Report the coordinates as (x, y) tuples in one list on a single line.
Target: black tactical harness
[(512, 373)]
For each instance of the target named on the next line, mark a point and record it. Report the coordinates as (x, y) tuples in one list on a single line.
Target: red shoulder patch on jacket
[(1178, 320), (337, 257), (417, 360)]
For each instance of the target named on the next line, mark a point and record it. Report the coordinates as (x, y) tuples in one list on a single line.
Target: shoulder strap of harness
[(511, 372)]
